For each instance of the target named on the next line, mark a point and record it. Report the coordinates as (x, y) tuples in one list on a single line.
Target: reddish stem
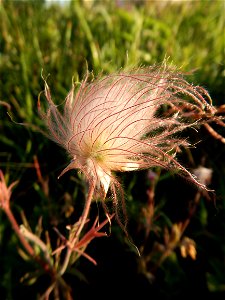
[(16, 228), (25, 244)]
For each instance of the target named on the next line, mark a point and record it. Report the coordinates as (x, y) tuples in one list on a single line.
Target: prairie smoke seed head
[(126, 121)]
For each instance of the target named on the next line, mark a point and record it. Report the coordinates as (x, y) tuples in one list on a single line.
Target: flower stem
[(78, 232)]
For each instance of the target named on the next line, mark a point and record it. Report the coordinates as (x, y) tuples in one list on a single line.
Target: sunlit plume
[(127, 121)]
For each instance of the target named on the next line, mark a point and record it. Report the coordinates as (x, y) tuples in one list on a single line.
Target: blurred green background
[(63, 39)]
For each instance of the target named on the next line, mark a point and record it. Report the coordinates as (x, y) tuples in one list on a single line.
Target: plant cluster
[(144, 141)]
